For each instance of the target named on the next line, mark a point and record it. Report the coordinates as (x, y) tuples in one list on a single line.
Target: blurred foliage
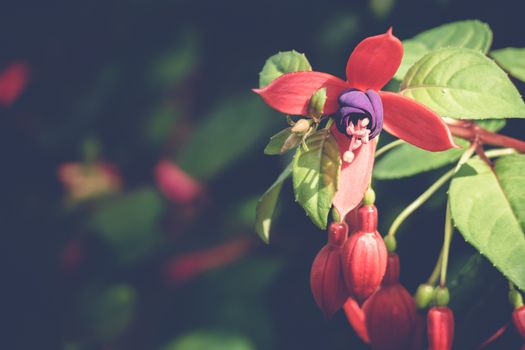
[(146, 80)]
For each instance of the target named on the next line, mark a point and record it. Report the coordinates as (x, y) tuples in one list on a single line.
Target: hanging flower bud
[(518, 318), (326, 276), (364, 256), (424, 295), (390, 313), (440, 328)]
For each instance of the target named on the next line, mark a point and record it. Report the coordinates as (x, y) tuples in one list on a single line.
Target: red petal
[(374, 61), (354, 177), (175, 184), (356, 318), (291, 92), (415, 123)]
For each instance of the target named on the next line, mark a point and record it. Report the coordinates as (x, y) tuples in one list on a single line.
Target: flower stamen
[(359, 135)]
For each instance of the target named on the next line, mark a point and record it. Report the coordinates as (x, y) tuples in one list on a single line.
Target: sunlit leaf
[(407, 160), (512, 60), (266, 205), (315, 175), (281, 63), (488, 208), (470, 34), (463, 83), (282, 142)]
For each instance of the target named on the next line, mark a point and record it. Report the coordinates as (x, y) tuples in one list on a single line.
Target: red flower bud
[(352, 220), (518, 318), (364, 256), (440, 328), (390, 313), (326, 276)]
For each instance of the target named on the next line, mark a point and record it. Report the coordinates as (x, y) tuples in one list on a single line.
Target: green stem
[(446, 246), (419, 201), (437, 268), (329, 123), (515, 297), (494, 153), (388, 147)]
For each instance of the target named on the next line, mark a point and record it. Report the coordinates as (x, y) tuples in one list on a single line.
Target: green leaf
[(315, 175), (381, 8), (512, 60), (174, 66), (281, 63), (209, 340), (317, 102), (266, 205), (488, 208), (470, 34), (129, 223), (282, 142), (407, 160), (160, 123), (107, 313), (232, 130), (463, 83)]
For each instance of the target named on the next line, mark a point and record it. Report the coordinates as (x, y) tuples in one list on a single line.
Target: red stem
[(473, 133)]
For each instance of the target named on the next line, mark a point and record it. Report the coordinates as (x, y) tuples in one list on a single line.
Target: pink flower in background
[(187, 266), (85, 181), (175, 184), (13, 81)]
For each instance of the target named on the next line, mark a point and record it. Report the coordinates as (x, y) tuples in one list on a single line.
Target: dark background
[(100, 71)]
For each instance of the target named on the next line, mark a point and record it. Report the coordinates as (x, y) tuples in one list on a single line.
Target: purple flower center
[(355, 107)]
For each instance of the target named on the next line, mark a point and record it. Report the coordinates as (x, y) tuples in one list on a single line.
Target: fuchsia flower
[(13, 81), (360, 111), (175, 184)]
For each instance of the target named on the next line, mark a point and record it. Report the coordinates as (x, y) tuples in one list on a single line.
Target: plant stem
[(429, 192), (388, 147), (419, 201), (473, 132), (437, 268), (493, 153), (446, 246), (329, 123)]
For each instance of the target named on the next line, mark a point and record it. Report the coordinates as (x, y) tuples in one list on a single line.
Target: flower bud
[(326, 276), (301, 127), (352, 220), (424, 294), (518, 319), (364, 256), (390, 313), (440, 328), (441, 296)]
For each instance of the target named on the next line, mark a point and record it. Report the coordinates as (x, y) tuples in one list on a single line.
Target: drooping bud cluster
[(326, 276), (391, 317), (440, 328), (364, 256)]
